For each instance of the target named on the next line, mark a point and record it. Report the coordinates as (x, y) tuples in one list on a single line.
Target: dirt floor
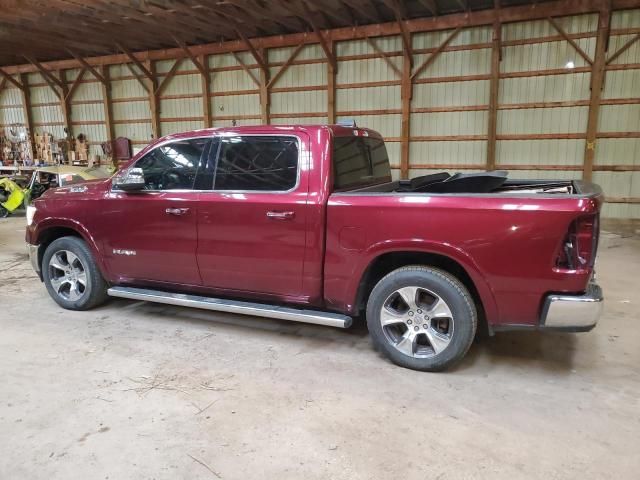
[(133, 390)]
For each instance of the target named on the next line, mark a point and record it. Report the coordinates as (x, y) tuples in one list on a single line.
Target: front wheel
[(71, 275), (422, 318)]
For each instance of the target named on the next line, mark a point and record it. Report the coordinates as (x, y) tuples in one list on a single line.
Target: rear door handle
[(281, 215), (176, 211)]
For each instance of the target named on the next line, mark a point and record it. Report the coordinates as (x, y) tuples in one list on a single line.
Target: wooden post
[(26, 110), (206, 92), (331, 86), (597, 81), (154, 100), (65, 104), (265, 100), (493, 96), (106, 103), (406, 93)]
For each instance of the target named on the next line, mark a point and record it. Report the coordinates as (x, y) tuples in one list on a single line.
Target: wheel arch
[(388, 261), (51, 231)]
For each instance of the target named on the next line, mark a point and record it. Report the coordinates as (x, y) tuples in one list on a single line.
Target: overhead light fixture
[(570, 64)]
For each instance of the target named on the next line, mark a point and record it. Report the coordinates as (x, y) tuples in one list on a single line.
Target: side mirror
[(130, 180)]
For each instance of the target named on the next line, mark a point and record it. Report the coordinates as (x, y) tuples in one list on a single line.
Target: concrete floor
[(142, 391)]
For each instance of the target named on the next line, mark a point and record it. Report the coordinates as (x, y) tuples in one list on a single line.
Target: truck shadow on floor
[(541, 350)]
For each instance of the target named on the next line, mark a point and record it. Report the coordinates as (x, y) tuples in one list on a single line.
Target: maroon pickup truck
[(304, 223)]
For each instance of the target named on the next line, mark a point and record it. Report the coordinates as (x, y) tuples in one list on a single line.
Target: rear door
[(252, 225), (151, 234)]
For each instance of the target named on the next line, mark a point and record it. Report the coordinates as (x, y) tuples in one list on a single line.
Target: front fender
[(38, 232)]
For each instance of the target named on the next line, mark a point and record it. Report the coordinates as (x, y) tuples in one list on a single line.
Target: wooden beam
[(430, 59), (154, 99), (406, 93), (65, 106), (385, 56), (430, 5), (141, 80), (107, 105), (44, 72), (170, 74), (136, 62), (258, 58), (26, 110), (75, 85), (494, 86), (246, 68), (3, 82), (331, 89), (597, 81), (206, 92), (623, 49), (87, 66), (404, 32), (265, 94), (571, 41), (323, 42), (286, 65), (198, 64), (11, 80), (473, 18)]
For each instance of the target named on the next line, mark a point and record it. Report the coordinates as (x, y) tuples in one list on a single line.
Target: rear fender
[(460, 256)]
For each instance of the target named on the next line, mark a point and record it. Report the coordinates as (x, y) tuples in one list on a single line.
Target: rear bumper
[(573, 313), (34, 255)]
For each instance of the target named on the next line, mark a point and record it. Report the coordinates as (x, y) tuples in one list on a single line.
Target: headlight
[(31, 211)]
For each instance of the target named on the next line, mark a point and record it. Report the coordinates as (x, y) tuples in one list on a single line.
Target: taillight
[(579, 247)]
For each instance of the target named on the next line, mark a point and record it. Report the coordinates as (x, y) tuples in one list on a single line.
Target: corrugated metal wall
[(542, 113)]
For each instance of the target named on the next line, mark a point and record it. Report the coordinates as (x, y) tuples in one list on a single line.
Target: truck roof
[(337, 130)]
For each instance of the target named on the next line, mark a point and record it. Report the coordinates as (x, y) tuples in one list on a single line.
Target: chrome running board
[(233, 306)]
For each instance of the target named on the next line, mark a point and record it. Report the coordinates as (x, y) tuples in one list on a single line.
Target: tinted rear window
[(359, 161)]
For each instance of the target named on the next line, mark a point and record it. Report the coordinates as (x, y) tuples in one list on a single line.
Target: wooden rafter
[(246, 68), (430, 5), (136, 62), (11, 80), (396, 6), (571, 41), (51, 79), (430, 59), (75, 85), (87, 66), (258, 58), (138, 77), (623, 49), (323, 41), (286, 65), (3, 82), (170, 74), (384, 55), (201, 68)]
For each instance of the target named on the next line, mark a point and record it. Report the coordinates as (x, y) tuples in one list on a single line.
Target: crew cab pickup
[(304, 223)]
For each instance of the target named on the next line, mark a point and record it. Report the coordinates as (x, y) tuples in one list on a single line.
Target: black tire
[(4, 213), (458, 331), (95, 290)]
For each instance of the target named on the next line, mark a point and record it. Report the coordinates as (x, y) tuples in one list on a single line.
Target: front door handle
[(176, 211), (281, 215)]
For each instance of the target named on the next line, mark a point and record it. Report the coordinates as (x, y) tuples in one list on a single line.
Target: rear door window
[(359, 161), (257, 163)]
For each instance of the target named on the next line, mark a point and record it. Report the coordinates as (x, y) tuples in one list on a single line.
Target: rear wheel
[(421, 318), (71, 275)]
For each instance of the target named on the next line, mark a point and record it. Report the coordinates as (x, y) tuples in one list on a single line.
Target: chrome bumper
[(576, 313), (34, 251)]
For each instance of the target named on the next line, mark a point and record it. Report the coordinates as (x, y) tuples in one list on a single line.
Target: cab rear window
[(359, 161)]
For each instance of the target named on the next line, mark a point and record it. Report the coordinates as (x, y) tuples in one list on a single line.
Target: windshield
[(359, 161)]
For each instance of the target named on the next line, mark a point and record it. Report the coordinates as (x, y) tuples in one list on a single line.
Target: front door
[(151, 235), (252, 225)]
